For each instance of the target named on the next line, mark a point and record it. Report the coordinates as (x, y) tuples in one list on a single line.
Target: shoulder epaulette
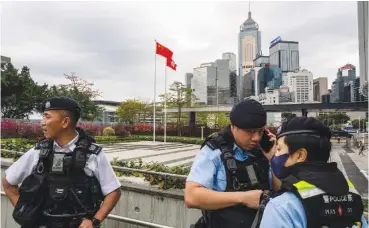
[(38, 146), (95, 149), (42, 143)]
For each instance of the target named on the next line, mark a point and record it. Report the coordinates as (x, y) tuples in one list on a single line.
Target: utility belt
[(64, 223)]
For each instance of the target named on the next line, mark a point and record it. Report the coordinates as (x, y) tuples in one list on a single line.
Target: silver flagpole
[(154, 111), (165, 105)]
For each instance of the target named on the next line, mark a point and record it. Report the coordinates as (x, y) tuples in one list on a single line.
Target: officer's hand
[(86, 223), (272, 150), (251, 198)]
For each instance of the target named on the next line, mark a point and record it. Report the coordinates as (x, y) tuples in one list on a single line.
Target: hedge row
[(169, 183)]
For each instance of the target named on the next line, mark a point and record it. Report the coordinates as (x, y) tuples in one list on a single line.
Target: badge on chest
[(58, 163)]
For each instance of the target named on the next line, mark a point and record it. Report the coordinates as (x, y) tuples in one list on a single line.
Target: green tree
[(334, 118), (355, 123), (222, 120), (201, 118), (131, 109), (179, 96), (20, 94), (81, 91), (288, 115)]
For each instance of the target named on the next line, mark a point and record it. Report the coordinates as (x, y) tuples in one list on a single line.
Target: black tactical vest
[(253, 173), (325, 210), (70, 193)]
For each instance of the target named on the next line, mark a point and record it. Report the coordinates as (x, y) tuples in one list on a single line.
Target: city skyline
[(96, 40)]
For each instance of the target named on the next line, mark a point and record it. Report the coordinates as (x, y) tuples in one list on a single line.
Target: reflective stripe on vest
[(307, 190)]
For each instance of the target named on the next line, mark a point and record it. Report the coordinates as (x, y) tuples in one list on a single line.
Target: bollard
[(202, 133)]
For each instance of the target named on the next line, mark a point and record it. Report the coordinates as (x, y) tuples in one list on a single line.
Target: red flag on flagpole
[(163, 51), (171, 64)]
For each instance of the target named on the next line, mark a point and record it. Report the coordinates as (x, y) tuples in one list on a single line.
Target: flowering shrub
[(11, 129), (31, 130), (122, 130), (108, 131), (90, 129)]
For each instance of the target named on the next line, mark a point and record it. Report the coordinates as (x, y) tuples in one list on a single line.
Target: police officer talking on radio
[(67, 181), (231, 172), (313, 193)]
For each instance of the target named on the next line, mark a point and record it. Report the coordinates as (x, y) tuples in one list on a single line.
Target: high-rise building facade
[(284, 54), (259, 78), (188, 78), (363, 25), (249, 46), (232, 60), (341, 87), (301, 83), (212, 83), (261, 61), (320, 87), (199, 84), (5, 59)]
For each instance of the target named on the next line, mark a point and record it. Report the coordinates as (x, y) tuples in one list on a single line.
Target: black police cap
[(248, 114), (304, 125), (62, 103)]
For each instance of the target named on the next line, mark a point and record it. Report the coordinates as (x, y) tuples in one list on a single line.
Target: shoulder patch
[(37, 146), (42, 144), (94, 149), (211, 145)]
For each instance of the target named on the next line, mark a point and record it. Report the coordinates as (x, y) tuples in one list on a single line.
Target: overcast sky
[(112, 43)]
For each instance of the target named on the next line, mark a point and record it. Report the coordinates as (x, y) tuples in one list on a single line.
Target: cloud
[(112, 43)]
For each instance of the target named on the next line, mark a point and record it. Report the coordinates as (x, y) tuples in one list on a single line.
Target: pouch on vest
[(31, 199), (58, 193), (236, 217)]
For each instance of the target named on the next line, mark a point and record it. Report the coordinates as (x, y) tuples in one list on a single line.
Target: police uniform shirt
[(287, 211), (209, 171), (97, 165)]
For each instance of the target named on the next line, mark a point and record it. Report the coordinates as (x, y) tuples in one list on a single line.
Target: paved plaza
[(170, 154)]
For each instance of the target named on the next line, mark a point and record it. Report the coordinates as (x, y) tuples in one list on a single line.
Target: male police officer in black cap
[(67, 181), (230, 172)]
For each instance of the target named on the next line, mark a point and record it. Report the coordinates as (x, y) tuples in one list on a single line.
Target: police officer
[(230, 172), (314, 193), (71, 179)]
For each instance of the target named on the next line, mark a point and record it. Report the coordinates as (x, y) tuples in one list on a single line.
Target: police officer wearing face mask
[(230, 172), (313, 193), (67, 181)]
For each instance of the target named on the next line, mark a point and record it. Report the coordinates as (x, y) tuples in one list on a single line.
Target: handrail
[(182, 177), (118, 168), (129, 220)]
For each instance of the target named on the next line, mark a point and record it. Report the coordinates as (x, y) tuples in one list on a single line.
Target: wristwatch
[(96, 222)]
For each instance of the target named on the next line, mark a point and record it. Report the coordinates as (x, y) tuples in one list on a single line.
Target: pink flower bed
[(11, 129)]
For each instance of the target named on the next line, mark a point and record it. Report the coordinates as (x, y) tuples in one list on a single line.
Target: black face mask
[(277, 164)]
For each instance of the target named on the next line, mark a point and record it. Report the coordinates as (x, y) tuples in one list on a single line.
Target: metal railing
[(129, 220)]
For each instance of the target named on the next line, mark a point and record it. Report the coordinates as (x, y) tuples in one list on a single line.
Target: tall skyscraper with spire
[(249, 46)]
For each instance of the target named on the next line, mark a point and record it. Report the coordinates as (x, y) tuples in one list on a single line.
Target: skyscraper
[(211, 83), (249, 46), (362, 14), (320, 87), (188, 78), (232, 60), (285, 55), (301, 83)]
